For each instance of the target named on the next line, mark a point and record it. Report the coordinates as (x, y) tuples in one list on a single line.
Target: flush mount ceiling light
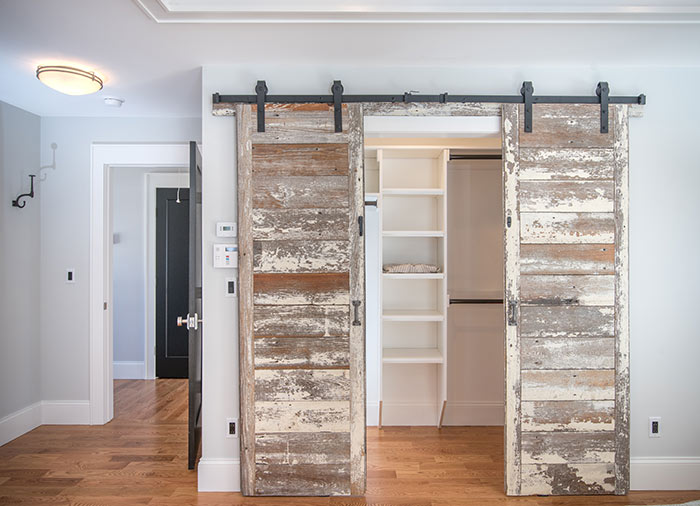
[(69, 80)]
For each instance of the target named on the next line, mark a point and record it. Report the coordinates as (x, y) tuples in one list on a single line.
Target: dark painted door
[(194, 314), (172, 269)]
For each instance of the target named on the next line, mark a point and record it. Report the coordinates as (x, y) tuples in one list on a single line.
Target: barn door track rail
[(337, 99)]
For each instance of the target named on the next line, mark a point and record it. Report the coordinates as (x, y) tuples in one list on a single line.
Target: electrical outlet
[(232, 427), (231, 287), (654, 426), (70, 275)]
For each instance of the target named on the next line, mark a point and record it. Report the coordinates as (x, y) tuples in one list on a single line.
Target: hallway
[(141, 458)]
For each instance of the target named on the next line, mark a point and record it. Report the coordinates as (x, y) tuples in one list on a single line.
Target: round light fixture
[(69, 80)]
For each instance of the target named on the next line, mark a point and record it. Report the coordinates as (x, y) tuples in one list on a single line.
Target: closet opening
[(434, 267)]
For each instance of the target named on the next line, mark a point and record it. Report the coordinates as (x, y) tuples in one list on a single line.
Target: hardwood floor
[(141, 458)]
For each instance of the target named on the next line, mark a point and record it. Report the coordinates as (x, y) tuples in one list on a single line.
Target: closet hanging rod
[(460, 156), (371, 203), (476, 301)]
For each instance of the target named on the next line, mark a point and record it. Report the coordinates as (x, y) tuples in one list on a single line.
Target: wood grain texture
[(567, 321), (245, 297), (511, 262), (567, 259), (316, 479), (568, 479), (358, 379), (582, 290), (306, 352), (301, 385), (301, 321), (292, 192), (303, 288), (304, 224), (568, 447), (426, 109), (567, 228), (622, 349), (279, 160), (568, 385), (303, 448), (568, 353), (301, 256), (302, 416), (565, 125), (570, 416), (566, 163), (566, 196)]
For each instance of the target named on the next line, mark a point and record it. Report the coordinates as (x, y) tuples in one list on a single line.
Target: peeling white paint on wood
[(566, 196), (301, 256), (570, 416), (584, 290), (567, 321), (567, 259), (300, 192), (568, 447), (566, 163), (568, 385), (302, 321), (303, 448), (302, 416), (306, 224), (568, 479), (285, 352), (568, 353), (302, 385), (567, 228)]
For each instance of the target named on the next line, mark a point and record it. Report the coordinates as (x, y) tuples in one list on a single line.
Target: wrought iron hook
[(17, 203)]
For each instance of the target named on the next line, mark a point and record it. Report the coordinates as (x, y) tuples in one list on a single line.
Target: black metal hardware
[(525, 97), (526, 91), (337, 90), (476, 301), (512, 313), (361, 223), (464, 156), (603, 90), (261, 96), (356, 304), (371, 203), (16, 202), (509, 221)]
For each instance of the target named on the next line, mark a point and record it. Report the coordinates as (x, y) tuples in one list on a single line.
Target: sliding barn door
[(302, 301), (567, 341)]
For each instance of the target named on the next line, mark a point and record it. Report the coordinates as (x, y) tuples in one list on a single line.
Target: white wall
[(19, 272), (663, 246), (65, 217)]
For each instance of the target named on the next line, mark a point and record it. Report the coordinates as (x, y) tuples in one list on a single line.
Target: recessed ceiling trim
[(415, 11)]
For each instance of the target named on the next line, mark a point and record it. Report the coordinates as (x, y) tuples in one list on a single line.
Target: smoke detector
[(113, 101)]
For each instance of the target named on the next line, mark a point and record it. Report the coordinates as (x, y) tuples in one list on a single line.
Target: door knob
[(191, 322)]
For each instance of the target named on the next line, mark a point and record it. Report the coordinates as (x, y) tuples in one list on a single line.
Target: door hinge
[(512, 313), (361, 223)]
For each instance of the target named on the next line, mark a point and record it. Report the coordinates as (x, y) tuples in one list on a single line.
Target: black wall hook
[(17, 203)]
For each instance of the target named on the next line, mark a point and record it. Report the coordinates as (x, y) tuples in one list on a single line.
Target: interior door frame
[(103, 159)]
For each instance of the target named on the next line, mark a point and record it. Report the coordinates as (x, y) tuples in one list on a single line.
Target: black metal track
[(526, 97)]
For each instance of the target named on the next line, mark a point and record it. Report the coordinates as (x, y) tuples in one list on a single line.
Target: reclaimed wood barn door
[(302, 301), (566, 282)]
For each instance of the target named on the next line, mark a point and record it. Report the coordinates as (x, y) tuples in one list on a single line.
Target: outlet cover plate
[(652, 420), (232, 426)]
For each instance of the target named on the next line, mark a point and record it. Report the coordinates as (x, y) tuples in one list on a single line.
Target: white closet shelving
[(410, 187)]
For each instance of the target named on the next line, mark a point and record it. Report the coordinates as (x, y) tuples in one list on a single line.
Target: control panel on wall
[(226, 256)]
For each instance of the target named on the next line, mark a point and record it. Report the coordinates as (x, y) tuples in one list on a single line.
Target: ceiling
[(151, 51)]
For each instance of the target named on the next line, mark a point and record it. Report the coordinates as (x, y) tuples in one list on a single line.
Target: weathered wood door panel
[(567, 343), (301, 264)]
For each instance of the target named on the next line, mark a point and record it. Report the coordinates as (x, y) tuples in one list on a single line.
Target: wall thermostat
[(225, 229), (226, 256)]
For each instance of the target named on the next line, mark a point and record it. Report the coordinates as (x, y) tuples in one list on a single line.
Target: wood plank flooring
[(141, 458)]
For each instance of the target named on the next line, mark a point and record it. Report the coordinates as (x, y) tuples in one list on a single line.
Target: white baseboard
[(20, 422), (665, 473), (456, 413), (219, 475), (129, 370), (65, 412)]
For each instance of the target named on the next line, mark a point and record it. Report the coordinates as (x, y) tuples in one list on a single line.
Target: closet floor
[(141, 458)]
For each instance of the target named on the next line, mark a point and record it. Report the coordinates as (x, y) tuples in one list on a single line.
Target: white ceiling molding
[(416, 11)]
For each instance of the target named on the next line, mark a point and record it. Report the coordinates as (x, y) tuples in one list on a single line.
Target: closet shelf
[(413, 275), (412, 315), (412, 356), (413, 233), (413, 191)]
